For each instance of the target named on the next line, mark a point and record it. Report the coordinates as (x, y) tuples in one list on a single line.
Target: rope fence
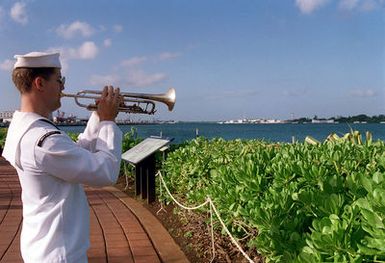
[(213, 210)]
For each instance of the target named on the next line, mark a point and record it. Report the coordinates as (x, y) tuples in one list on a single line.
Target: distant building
[(252, 121), (6, 116), (322, 121)]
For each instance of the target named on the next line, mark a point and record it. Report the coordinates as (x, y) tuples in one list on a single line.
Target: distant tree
[(349, 119)]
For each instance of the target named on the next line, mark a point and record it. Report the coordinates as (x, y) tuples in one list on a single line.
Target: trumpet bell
[(168, 98)]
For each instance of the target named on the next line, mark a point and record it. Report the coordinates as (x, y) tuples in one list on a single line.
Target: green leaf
[(366, 183), (378, 177), (366, 250), (376, 243), (372, 218), (363, 203)]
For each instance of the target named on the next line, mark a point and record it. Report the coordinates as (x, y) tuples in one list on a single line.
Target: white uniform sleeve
[(88, 138), (62, 158)]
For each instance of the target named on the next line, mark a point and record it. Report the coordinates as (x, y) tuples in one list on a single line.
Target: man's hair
[(23, 77)]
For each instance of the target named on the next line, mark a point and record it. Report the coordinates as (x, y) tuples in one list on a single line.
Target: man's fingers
[(105, 92), (116, 95), (110, 92), (108, 106), (121, 101)]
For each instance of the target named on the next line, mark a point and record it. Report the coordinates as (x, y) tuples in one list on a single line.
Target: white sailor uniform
[(51, 169)]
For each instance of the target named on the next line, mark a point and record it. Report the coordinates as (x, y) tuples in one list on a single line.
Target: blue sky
[(226, 59)]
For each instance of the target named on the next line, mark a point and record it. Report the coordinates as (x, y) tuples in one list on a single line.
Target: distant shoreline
[(357, 119), (2, 125), (5, 125)]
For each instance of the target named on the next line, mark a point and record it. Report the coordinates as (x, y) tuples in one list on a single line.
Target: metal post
[(138, 173), (151, 179), (145, 178)]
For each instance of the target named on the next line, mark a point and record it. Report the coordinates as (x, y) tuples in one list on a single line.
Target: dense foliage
[(297, 202), (3, 135), (130, 139)]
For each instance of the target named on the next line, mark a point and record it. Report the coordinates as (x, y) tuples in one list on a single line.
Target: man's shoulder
[(40, 130)]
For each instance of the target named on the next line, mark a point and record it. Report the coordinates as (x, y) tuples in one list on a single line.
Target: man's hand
[(108, 104)]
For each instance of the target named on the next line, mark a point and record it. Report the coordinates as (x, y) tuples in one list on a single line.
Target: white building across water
[(6, 116)]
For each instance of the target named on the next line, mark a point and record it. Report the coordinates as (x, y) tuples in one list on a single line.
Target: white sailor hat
[(38, 60)]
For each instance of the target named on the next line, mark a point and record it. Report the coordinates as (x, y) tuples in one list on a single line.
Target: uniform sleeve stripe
[(40, 143), (49, 122)]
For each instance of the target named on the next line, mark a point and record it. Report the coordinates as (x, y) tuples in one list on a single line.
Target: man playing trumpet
[(51, 167)]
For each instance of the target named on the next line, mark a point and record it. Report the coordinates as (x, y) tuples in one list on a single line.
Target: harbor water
[(182, 131)]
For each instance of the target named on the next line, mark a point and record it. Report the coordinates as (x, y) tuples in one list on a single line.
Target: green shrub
[(3, 135), (130, 139), (308, 203)]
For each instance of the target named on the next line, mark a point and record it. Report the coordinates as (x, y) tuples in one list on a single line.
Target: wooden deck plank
[(108, 227), (116, 235)]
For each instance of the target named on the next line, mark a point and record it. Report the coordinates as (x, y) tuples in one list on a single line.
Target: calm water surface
[(270, 132)]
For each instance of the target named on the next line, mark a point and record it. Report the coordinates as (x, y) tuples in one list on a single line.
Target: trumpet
[(139, 102)]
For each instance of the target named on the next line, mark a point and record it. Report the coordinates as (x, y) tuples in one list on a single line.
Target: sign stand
[(142, 157)]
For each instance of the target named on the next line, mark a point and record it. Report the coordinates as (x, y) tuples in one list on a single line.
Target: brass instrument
[(140, 102)]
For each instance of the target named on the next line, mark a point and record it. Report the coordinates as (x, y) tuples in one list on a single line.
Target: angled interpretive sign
[(144, 149)]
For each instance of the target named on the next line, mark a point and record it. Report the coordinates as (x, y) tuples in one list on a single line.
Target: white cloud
[(117, 28), (128, 74), (361, 5), (348, 4), (295, 93), (2, 13), (231, 94), (102, 80), (77, 27), (308, 6), (133, 61), (102, 28), (363, 93), (168, 55), (138, 78), (88, 50), (107, 42), (132, 78), (369, 5), (19, 13), (7, 65)]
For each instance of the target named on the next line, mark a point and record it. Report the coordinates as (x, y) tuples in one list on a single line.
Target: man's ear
[(38, 83)]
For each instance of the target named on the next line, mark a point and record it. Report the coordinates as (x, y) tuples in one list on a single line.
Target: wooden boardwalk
[(122, 230)]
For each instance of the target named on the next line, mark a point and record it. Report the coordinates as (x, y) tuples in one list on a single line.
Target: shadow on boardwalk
[(122, 230)]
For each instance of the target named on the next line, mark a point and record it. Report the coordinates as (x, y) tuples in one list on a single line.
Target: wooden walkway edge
[(122, 229)]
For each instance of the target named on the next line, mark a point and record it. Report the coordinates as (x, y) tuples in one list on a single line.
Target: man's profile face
[(52, 90)]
